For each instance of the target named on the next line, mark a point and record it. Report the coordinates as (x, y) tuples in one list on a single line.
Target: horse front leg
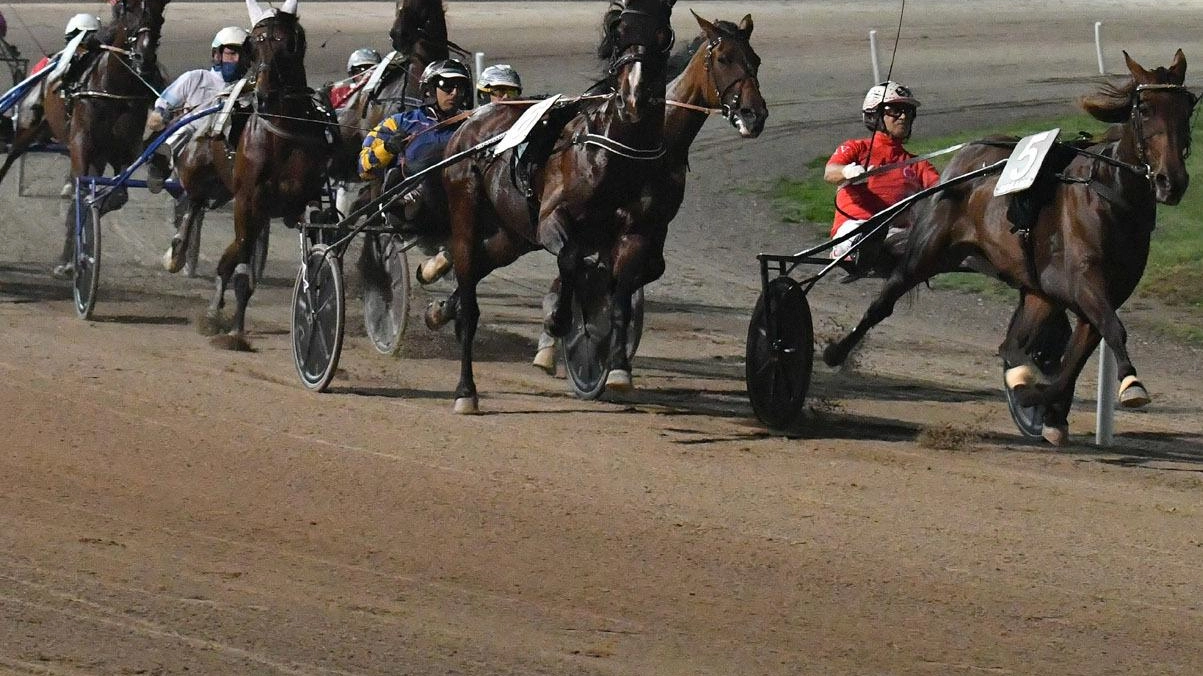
[(1035, 341), (553, 236), (1095, 305), (634, 262), (1058, 395)]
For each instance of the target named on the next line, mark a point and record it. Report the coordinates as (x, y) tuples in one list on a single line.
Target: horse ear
[(254, 10), (1138, 71), (1178, 68), (707, 27), (289, 7), (745, 26)]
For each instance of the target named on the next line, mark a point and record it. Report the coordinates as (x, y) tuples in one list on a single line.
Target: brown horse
[(280, 164), (720, 77), (108, 112), (1085, 247), (600, 160)]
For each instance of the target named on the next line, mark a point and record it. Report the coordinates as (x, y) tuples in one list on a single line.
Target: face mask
[(229, 71)]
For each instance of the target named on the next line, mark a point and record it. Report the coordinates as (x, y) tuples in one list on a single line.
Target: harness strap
[(620, 149)]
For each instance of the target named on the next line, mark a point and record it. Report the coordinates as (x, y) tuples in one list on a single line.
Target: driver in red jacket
[(889, 112)]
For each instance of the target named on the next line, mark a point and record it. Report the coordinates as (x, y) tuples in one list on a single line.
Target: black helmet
[(439, 72)]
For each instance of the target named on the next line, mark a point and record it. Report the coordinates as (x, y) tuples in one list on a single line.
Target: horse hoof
[(832, 356), (467, 405), (67, 191), (1056, 435), (545, 359), (434, 269), (1132, 394), (63, 271), (1021, 376), (619, 381), (169, 263), (233, 342), (434, 317)]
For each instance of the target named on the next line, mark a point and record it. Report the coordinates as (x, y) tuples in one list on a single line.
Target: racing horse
[(281, 159), (600, 159), (1084, 250), (108, 113), (718, 78)]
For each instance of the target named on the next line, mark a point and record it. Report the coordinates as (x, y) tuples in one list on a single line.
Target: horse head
[(139, 24), (277, 51), (420, 26), (1158, 110), (637, 39), (731, 66)]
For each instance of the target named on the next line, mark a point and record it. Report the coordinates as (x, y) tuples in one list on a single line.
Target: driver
[(499, 82), (359, 64), (888, 112), (195, 89), (415, 139)]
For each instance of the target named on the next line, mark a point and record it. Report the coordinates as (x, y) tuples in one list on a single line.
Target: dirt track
[(168, 507)]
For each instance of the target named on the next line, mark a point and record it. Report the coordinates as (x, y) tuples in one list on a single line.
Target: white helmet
[(82, 22), (886, 93), (230, 35), (499, 75), (364, 56)]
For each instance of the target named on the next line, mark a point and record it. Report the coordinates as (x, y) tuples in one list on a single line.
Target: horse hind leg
[(545, 352), (883, 306)]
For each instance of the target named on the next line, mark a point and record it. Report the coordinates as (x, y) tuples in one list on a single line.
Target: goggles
[(896, 111)]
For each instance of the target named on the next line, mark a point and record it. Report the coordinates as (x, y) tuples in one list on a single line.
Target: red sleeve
[(928, 174), (849, 151)]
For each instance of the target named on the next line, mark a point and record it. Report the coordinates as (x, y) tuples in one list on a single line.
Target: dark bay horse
[(108, 112), (419, 36), (718, 78), (1086, 247), (281, 160), (599, 160)]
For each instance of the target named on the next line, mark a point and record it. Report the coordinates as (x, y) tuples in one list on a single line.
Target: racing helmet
[(499, 75), (441, 71), (884, 94), (81, 22), (364, 56), (230, 35)]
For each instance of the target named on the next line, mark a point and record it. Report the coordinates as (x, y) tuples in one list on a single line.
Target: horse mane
[(1113, 103), (679, 61)]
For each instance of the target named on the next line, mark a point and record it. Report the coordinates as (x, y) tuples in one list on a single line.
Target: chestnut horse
[(280, 164), (1085, 249), (108, 116), (601, 159), (719, 77)]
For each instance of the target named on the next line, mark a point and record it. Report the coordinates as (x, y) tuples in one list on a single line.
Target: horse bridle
[(1137, 127), (631, 57), (727, 109)]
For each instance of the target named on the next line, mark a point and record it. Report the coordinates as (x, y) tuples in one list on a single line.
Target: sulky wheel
[(386, 290), (780, 353), (318, 315), (1029, 419), (86, 275), (587, 343)]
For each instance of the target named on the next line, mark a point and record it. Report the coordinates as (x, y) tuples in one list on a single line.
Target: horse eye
[(725, 60), (1143, 109)]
